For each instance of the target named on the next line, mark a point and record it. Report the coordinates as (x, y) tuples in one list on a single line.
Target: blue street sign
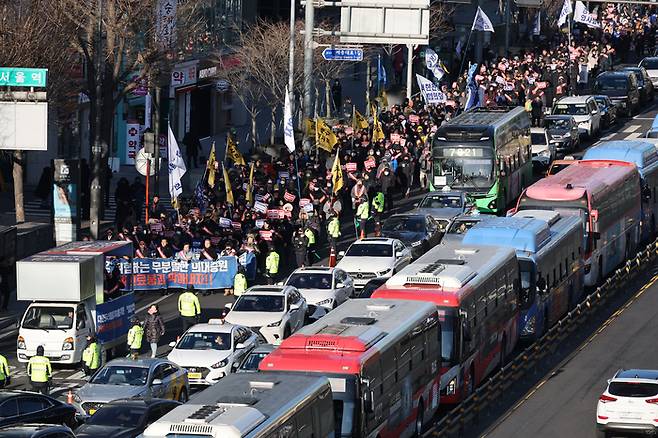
[(342, 54)]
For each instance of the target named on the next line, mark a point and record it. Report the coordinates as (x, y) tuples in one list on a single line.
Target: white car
[(322, 286), (651, 65), (584, 110), (275, 312), (373, 257), (543, 151), (629, 404), (209, 351)]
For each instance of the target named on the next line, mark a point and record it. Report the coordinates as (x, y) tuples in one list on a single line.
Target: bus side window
[(305, 423)]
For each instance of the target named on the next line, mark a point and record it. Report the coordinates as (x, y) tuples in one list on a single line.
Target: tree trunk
[(327, 97), (18, 186), (254, 133), (273, 122)]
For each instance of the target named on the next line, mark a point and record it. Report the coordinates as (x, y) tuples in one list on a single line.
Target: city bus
[(382, 360), (485, 152), (606, 196), (476, 290), (643, 154), (548, 247), (253, 405)]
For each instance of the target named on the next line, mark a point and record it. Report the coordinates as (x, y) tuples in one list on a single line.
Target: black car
[(644, 84), (370, 287), (29, 407), (125, 418), (36, 431), (419, 232), (622, 88), (608, 110), (562, 131)]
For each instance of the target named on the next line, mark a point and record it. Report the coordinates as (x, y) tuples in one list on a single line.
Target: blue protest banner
[(113, 318)]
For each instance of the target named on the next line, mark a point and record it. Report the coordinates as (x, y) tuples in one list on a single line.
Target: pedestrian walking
[(378, 211), (311, 254), (154, 328), (272, 265), (333, 231), (300, 247), (91, 356), (135, 335), (189, 308), (5, 377), (39, 371), (362, 213)]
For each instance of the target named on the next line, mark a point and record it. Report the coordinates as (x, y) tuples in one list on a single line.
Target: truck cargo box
[(59, 277)]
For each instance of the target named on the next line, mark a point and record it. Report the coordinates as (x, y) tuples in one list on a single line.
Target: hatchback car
[(322, 286), (608, 110), (126, 378), (419, 232), (629, 404), (274, 312), (644, 84), (584, 110), (209, 351), (543, 151), (563, 133), (28, 407), (622, 88), (373, 257), (125, 418)]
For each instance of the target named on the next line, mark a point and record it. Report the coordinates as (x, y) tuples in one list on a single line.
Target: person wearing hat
[(272, 265), (91, 356), (135, 335), (40, 371), (189, 308), (300, 247)]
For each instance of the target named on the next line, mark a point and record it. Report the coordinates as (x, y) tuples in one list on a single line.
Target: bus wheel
[(420, 413)]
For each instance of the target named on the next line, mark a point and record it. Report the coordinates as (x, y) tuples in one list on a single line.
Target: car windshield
[(571, 110), (650, 63), (557, 124), (48, 318), (121, 416), (121, 375), (205, 341), (303, 280), (633, 389), (538, 138), (461, 226), (370, 250), (252, 361), (259, 303), (611, 83), (441, 201), (601, 101), (415, 224)]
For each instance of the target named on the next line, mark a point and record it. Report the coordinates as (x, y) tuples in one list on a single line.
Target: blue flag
[(200, 197), (473, 96)]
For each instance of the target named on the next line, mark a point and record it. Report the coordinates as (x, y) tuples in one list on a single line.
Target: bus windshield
[(449, 330), (527, 284), (463, 165)]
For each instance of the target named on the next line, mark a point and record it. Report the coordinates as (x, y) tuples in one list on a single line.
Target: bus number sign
[(463, 152)]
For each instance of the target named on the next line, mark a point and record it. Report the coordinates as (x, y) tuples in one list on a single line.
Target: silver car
[(322, 286), (126, 378)]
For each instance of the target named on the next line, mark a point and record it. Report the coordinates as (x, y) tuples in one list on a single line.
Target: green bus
[(487, 154)]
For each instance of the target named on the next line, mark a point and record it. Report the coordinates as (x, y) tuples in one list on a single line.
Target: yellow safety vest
[(91, 356), (378, 202), (239, 284), (272, 263), (334, 228), (362, 211), (188, 304), (39, 369), (135, 335), (310, 235), (4, 368)]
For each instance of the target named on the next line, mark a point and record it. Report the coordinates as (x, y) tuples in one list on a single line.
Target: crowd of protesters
[(287, 206)]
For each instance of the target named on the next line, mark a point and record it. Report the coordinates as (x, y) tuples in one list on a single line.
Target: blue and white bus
[(643, 154), (549, 250)]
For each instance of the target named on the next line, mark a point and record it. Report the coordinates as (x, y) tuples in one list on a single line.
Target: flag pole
[(569, 52), (468, 42)]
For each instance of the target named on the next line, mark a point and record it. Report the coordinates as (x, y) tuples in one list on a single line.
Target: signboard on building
[(24, 125), (132, 141), (165, 24), (183, 75)]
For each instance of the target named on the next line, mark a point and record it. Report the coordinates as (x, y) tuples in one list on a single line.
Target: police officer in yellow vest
[(239, 282), (189, 308), (135, 335), (310, 238), (333, 231), (91, 356), (5, 378), (39, 371), (272, 265), (378, 210), (362, 213)]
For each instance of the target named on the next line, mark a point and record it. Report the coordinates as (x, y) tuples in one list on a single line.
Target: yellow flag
[(325, 137), (337, 174), (229, 191), (250, 186), (310, 127), (210, 166), (232, 152), (384, 99), (359, 122), (377, 131)]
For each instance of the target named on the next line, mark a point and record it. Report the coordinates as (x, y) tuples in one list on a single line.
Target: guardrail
[(467, 412)]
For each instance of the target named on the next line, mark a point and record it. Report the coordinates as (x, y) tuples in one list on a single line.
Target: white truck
[(65, 287)]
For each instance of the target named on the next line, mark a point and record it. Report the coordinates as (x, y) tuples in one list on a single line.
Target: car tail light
[(652, 401), (606, 399), (602, 417)]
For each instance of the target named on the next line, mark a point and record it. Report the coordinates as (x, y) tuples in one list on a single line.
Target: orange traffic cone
[(332, 257), (69, 397)]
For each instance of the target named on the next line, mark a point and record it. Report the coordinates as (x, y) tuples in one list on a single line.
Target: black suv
[(622, 88), (563, 132), (644, 83)]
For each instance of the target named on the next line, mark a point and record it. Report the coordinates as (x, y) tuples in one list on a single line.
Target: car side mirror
[(172, 344), (415, 204), (239, 346), (156, 382), (294, 306), (340, 285), (594, 112), (228, 305), (341, 254)]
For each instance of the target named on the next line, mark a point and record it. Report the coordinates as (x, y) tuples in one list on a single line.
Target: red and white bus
[(382, 360), (476, 291), (606, 194)]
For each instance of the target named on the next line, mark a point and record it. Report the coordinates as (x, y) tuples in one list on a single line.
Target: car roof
[(314, 270), (30, 427), (410, 214), (8, 393), (558, 116), (139, 363), (574, 99), (375, 240), (267, 290), (445, 193), (614, 73), (139, 402), (206, 327), (631, 68), (264, 348), (637, 374)]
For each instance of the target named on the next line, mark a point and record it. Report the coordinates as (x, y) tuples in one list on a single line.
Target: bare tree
[(441, 23), (325, 71)]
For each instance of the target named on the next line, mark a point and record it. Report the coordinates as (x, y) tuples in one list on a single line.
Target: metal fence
[(467, 413)]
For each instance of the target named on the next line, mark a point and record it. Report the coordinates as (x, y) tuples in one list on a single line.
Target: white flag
[(564, 13), (482, 22), (176, 166), (581, 15), (430, 92), (434, 64), (288, 132)]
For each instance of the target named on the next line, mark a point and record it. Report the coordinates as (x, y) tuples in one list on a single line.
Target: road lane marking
[(633, 136), (143, 308), (631, 128), (609, 136)]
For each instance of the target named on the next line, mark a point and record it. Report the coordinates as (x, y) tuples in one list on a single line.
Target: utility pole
[(410, 67), (96, 149), (507, 25), (291, 52), (309, 24)]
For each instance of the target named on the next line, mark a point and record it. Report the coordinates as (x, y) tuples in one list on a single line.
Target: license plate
[(92, 411), (194, 375)]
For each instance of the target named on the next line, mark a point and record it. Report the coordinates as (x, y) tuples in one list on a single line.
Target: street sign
[(342, 54), (23, 77)]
